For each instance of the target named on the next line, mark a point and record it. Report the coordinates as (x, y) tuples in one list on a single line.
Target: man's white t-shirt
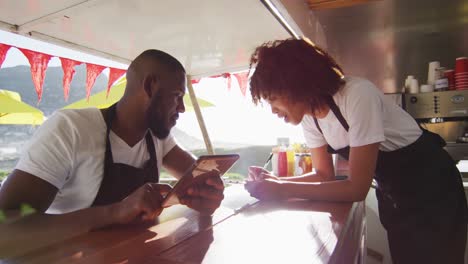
[(68, 152), (371, 119)]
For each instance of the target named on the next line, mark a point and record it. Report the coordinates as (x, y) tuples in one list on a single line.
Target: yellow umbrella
[(15, 112), (99, 100)]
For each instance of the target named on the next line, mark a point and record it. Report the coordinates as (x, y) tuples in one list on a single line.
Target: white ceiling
[(207, 36)]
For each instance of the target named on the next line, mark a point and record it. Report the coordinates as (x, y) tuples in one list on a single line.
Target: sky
[(234, 118)]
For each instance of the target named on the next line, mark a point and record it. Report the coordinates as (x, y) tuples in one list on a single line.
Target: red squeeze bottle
[(282, 163)]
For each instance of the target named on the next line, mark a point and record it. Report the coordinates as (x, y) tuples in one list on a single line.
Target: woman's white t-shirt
[(371, 119), (68, 151)]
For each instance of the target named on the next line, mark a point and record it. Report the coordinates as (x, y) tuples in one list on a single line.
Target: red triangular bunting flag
[(114, 75), (3, 51), (195, 81), (68, 72), (38, 62), (243, 80), (228, 77), (92, 72)]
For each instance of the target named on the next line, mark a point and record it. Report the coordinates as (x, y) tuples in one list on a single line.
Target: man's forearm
[(38, 230)]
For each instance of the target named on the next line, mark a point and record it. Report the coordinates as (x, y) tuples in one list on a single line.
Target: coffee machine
[(444, 113)]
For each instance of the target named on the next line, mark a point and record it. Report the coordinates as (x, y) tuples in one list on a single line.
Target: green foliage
[(249, 156), (2, 216), (164, 175), (26, 209), (3, 175), (234, 176)]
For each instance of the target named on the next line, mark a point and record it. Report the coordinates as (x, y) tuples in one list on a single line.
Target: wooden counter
[(242, 230)]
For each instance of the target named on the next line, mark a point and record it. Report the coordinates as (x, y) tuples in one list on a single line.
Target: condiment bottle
[(282, 162)]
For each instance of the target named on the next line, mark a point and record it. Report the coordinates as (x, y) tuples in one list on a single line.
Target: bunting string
[(39, 61)]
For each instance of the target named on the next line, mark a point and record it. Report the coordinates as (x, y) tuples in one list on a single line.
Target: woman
[(420, 194)]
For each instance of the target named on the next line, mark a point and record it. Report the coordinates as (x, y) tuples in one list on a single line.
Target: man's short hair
[(167, 61)]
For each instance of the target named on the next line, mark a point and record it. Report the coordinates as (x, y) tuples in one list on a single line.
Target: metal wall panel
[(385, 41)]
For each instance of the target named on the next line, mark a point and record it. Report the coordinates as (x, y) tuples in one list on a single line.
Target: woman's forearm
[(339, 191), (308, 177), (362, 163)]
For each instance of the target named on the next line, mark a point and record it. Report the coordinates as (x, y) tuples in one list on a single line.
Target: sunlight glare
[(235, 118), (166, 229)]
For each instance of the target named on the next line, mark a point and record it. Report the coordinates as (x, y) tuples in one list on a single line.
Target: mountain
[(19, 79), (192, 143)]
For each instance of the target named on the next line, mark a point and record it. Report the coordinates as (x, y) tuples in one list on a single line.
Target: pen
[(268, 160), (264, 167)]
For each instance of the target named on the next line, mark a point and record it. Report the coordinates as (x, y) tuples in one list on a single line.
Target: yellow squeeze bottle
[(291, 161)]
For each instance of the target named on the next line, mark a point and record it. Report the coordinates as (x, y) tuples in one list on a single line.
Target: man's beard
[(158, 129), (156, 121)]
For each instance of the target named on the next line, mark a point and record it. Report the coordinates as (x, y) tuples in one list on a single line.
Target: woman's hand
[(268, 189), (257, 173)]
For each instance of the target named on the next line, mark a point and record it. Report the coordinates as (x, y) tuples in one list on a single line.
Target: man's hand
[(268, 189), (143, 204), (205, 194)]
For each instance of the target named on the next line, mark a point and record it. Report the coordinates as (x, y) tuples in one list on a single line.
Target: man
[(87, 168)]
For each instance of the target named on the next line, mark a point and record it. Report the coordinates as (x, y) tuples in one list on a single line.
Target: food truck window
[(235, 125)]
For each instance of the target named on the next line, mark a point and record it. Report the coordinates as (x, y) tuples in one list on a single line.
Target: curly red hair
[(295, 68)]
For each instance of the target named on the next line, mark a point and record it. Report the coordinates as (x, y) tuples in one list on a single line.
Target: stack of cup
[(413, 86), (432, 73), (441, 82), (407, 83), (461, 73), (450, 75), (427, 88)]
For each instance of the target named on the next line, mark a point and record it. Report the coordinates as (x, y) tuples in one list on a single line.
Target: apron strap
[(336, 111), (331, 103), (317, 125), (120, 180), (109, 117), (153, 158)]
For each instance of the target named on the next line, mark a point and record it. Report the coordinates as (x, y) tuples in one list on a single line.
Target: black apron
[(421, 199), (120, 180)]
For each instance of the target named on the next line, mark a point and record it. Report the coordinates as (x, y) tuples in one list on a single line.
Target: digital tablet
[(204, 164)]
